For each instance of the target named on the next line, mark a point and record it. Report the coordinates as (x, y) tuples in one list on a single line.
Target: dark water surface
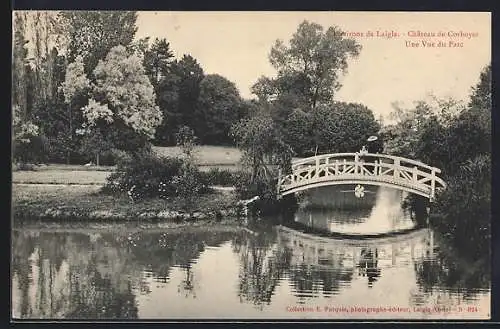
[(269, 271)]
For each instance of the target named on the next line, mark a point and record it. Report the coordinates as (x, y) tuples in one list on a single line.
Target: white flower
[(359, 191)]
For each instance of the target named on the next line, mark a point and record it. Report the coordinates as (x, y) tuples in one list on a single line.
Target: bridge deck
[(353, 168)]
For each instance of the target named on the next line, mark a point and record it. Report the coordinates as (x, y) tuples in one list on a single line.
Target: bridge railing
[(370, 167)]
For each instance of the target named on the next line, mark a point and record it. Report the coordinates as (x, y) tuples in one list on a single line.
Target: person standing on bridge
[(374, 147)]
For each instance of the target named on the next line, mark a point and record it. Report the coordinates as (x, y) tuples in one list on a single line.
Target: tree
[(23, 127), (190, 76), (262, 146), (481, 93), (342, 127), (92, 34), (178, 96), (43, 38), (298, 132), (125, 99), (157, 60), (218, 110), (313, 61), (74, 86), (19, 63)]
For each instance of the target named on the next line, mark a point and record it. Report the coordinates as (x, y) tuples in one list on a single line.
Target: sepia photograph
[(173, 165)]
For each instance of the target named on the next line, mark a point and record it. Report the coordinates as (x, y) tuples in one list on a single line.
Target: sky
[(237, 45)]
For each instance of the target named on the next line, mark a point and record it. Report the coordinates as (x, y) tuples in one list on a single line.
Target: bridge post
[(433, 184), (356, 163), (397, 164), (279, 183), (317, 167), (415, 175)]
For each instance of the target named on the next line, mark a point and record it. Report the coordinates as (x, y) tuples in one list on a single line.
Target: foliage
[(264, 151), (310, 66), (187, 141), (261, 144), (76, 81), (145, 175), (341, 127), (222, 177), (456, 139), (94, 143), (189, 183), (19, 65), (178, 94), (298, 132), (92, 34), (123, 108), (481, 93), (465, 207), (157, 61), (217, 111)]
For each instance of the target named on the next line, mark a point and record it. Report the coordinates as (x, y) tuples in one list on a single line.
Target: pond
[(274, 269)]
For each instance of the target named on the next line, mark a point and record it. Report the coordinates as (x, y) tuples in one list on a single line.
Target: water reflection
[(337, 209), (261, 274)]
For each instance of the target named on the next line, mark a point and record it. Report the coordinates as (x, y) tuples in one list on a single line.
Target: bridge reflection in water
[(336, 209), (345, 259)]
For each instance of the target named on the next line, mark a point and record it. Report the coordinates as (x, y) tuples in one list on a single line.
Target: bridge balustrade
[(354, 168)]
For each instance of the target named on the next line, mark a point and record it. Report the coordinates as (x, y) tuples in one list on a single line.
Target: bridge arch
[(368, 169)]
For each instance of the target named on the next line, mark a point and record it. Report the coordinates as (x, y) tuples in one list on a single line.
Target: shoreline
[(66, 203)]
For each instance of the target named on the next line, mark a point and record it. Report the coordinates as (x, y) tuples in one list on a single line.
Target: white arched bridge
[(356, 168)]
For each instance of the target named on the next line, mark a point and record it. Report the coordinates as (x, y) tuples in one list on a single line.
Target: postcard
[(172, 165)]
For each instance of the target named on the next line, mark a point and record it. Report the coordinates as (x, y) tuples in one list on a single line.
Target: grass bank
[(57, 192), (87, 203)]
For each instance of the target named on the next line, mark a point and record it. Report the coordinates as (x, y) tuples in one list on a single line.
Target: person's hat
[(372, 138)]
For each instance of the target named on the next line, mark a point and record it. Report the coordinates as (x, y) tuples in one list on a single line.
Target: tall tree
[(125, 98), (92, 34), (312, 62), (481, 93), (342, 127), (178, 96), (157, 61), (43, 32), (76, 85), (218, 110), (19, 63)]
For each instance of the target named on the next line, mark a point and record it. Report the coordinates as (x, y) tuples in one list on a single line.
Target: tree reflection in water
[(262, 265), (459, 276), (187, 286), (368, 265), (88, 275)]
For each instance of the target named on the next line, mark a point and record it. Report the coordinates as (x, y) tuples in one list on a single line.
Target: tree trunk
[(70, 134), (97, 159)]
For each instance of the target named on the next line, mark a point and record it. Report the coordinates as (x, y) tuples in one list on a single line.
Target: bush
[(221, 177), (145, 175), (268, 203), (464, 208), (188, 183)]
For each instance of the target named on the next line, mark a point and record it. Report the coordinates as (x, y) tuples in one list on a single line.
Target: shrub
[(247, 188), (188, 183), (144, 175), (464, 208), (221, 177)]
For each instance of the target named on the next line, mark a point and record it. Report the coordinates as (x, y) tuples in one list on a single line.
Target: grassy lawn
[(60, 176), (33, 200), (207, 155)]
